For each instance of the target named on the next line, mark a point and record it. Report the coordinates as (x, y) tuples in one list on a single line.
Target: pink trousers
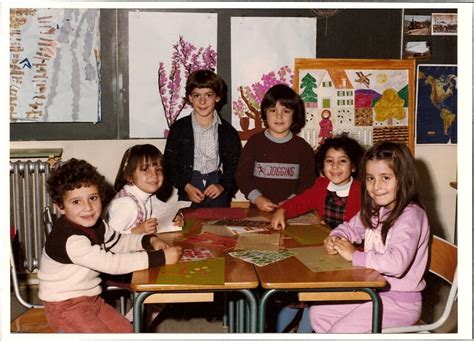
[(357, 318), (85, 315)]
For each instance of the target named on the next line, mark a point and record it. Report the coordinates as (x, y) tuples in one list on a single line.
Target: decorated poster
[(54, 65), (262, 55), (164, 48), (436, 104), (370, 105)]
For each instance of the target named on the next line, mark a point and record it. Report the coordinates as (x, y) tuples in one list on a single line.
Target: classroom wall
[(436, 166), (352, 33)]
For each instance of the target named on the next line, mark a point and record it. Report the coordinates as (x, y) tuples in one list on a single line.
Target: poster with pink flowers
[(262, 53), (164, 48)]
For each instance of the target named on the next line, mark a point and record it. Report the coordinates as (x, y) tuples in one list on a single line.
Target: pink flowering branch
[(185, 59)]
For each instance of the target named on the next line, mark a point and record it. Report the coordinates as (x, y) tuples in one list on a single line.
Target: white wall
[(436, 165)]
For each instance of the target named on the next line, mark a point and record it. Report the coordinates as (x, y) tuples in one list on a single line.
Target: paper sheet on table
[(258, 241), (205, 272), (317, 259), (165, 212), (305, 219), (261, 258), (216, 213), (308, 234)]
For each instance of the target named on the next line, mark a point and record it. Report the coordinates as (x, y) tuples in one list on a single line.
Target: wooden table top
[(238, 273), (289, 273)]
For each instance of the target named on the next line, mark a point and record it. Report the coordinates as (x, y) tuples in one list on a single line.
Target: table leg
[(261, 309), (231, 315), (138, 309), (252, 301), (376, 305)]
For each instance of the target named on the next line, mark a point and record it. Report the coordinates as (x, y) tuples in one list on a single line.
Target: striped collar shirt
[(206, 145)]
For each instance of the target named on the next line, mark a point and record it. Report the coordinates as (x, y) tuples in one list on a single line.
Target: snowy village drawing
[(370, 100)]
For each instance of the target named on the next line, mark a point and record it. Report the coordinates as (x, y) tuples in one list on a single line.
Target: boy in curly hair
[(80, 247)]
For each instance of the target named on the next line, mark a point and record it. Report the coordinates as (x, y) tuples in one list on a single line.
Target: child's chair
[(443, 264)]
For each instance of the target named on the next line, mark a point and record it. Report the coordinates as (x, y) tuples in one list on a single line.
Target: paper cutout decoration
[(212, 241), (308, 234), (317, 259), (205, 272), (261, 258), (258, 241), (190, 255), (215, 213)]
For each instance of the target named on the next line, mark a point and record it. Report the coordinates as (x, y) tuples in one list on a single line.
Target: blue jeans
[(287, 315), (202, 181)]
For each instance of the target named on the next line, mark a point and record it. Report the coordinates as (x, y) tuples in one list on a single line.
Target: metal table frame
[(250, 326), (376, 304)]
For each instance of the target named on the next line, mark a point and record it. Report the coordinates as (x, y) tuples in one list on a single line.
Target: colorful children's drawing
[(190, 255), (368, 103), (247, 106), (185, 59), (261, 258), (317, 259), (204, 272), (436, 104), (212, 241), (308, 234)]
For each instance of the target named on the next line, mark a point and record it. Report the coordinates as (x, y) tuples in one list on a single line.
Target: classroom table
[(239, 275), (292, 275)]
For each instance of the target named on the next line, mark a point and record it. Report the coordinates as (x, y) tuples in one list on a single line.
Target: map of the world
[(436, 108)]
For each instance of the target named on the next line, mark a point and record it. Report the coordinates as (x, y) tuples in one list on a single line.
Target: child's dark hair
[(131, 160), (206, 79), (400, 160), (343, 142), (289, 98), (71, 175)]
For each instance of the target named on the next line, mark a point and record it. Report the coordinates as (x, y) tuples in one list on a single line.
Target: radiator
[(30, 209)]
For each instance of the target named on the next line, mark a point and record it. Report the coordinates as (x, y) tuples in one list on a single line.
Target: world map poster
[(436, 105)]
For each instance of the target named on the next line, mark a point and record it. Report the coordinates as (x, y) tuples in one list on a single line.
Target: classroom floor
[(200, 325)]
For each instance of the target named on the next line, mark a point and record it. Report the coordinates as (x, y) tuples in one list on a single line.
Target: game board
[(204, 272), (308, 234), (212, 241), (261, 258), (190, 255), (258, 241)]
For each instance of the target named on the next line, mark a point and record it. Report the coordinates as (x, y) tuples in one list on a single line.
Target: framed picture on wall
[(369, 99), (436, 104), (444, 24)]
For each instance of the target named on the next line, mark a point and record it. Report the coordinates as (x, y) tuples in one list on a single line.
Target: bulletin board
[(370, 99)]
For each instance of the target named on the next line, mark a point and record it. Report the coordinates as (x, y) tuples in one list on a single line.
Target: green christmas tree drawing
[(308, 84)]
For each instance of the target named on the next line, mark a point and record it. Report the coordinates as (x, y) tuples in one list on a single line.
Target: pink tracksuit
[(402, 261)]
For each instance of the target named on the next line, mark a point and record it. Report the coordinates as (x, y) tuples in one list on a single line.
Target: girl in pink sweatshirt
[(395, 230)]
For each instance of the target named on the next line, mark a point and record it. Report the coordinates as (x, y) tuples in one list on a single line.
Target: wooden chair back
[(444, 259)]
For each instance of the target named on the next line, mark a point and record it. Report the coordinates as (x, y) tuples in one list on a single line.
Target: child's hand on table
[(344, 248), (158, 243), (147, 227), (278, 219), (173, 254), (264, 204), (329, 244)]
